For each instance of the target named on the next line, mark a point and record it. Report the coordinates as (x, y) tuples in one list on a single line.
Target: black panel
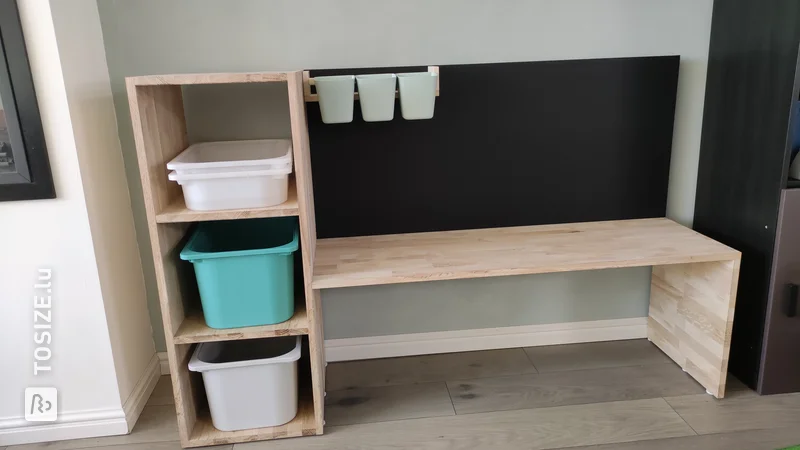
[(744, 159), (510, 144)]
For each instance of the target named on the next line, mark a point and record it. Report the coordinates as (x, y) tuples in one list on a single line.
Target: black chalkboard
[(510, 144)]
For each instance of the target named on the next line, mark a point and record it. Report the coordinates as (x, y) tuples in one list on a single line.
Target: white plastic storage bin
[(233, 175), (250, 383)]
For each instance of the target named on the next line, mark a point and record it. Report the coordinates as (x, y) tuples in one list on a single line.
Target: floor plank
[(747, 412), (734, 387), (743, 440), (175, 445), (156, 424), (595, 355), (379, 404), (571, 388), (545, 428), (162, 394), (427, 368)]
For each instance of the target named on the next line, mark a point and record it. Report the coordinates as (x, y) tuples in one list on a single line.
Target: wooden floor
[(618, 395)]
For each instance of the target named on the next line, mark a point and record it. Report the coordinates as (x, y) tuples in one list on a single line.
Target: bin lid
[(245, 353), (233, 154)]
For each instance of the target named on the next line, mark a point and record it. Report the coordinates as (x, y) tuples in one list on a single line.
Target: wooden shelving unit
[(159, 127)]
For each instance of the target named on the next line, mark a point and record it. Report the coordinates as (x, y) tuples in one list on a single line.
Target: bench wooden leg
[(691, 317)]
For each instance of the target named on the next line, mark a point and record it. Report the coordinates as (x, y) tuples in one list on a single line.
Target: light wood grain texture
[(304, 424), (208, 78), (194, 329), (573, 387), (706, 414), (159, 129), (427, 368), (691, 317), (178, 212), (595, 355), (302, 164), (743, 440), (316, 345), (308, 238), (310, 97), (545, 428), (380, 404), (450, 255)]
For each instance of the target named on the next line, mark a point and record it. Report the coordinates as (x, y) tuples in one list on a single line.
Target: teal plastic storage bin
[(245, 270)]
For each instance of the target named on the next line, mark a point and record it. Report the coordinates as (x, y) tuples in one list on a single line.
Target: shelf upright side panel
[(308, 234), (691, 317), (159, 129)]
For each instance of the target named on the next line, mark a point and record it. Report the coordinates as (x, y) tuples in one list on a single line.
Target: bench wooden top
[(492, 252)]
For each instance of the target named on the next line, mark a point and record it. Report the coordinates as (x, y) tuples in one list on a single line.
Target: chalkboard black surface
[(510, 144)]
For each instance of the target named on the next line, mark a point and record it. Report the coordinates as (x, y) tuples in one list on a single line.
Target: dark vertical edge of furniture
[(749, 88), (780, 358)]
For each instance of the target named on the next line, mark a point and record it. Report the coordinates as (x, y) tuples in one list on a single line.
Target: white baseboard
[(164, 361), (134, 405), (484, 339), (76, 425), (85, 424)]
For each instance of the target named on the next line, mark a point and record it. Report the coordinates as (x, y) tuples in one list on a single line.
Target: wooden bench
[(692, 292)]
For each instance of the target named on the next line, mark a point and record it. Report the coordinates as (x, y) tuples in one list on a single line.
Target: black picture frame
[(30, 177)]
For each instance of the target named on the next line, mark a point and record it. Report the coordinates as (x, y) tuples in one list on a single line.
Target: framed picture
[(24, 166)]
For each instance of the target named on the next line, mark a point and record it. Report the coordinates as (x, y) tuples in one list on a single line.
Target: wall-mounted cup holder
[(336, 98), (376, 93), (417, 94)]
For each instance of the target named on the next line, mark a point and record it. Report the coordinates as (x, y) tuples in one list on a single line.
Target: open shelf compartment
[(304, 423), (194, 329), (176, 211)]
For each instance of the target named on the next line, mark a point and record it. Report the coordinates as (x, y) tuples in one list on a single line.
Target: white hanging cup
[(417, 94), (336, 97), (376, 95)]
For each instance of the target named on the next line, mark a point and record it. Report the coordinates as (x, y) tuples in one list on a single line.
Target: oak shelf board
[(303, 424), (181, 79), (178, 212), (451, 255), (194, 329)]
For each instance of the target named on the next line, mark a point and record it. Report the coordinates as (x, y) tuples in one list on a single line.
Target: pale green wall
[(182, 36)]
